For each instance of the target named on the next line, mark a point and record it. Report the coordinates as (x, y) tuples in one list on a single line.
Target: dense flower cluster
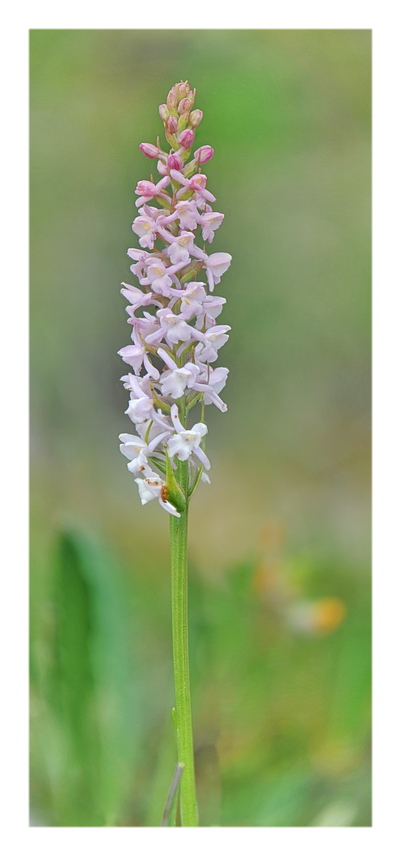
[(175, 336)]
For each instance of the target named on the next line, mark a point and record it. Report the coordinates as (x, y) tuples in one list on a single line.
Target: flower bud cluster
[(178, 117), (175, 335)]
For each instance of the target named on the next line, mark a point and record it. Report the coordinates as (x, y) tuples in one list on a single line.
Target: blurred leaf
[(73, 674), (72, 683), (91, 682), (280, 802)]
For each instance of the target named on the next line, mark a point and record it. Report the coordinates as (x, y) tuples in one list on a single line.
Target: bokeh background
[(280, 542)]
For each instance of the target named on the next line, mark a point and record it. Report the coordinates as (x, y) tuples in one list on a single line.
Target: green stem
[(179, 593)]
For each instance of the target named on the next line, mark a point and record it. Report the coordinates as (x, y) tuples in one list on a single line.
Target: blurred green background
[(280, 542)]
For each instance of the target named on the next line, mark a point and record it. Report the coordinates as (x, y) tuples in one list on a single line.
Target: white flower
[(184, 442), (139, 409), (209, 222), (216, 265), (158, 276), (188, 214), (135, 296), (211, 341), (176, 382), (153, 487), (174, 327), (180, 248), (133, 355), (151, 428), (145, 228), (131, 446), (140, 404), (211, 382), (192, 299), (137, 450)]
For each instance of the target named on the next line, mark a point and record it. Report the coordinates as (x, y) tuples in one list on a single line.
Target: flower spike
[(175, 337)]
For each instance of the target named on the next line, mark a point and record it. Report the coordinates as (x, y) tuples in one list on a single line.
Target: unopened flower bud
[(195, 118), (172, 100), (204, 154), (144, 188), (172, 124), (175, 162), (186, 139), (163, 112), (181, 90), (184, 106), (150, 150)]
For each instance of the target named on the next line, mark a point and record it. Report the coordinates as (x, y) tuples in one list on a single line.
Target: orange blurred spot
[(329, 612)]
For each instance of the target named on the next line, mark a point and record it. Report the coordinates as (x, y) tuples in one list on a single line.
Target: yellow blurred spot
[(329, 612), (318, 617)]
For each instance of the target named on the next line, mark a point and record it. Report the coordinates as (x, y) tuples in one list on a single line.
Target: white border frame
[(387, 428)]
